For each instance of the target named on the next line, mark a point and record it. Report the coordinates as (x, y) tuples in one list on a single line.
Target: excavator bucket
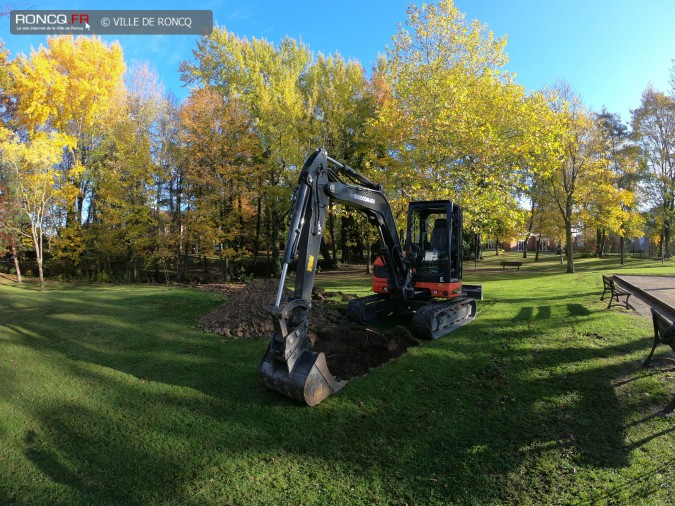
[(289, 366), (309, 381)]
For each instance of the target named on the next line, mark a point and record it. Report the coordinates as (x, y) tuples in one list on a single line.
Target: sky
[(609, 51)]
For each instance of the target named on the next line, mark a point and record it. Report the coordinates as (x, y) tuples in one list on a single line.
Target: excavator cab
[(434, 248), (433, 241)]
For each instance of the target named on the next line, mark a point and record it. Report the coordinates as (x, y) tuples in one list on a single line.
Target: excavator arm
[(290, 366)]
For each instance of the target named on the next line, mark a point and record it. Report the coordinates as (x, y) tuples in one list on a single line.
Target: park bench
[(615, 292), (511, 263), (664, 333)]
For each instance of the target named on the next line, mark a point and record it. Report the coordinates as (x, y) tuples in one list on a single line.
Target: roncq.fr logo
[(51, 19)]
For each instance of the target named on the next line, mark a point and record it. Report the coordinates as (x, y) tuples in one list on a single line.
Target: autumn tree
[(170, 179), (73, 87), (546, 222), (220, 151), (6, 103), (574, 170), (266, 79), (41, 185), (457, 124), (339, 105), (123, 214), (622, 155), (654, 132), (10, 213)]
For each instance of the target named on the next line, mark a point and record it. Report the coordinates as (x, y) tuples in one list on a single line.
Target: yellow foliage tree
[(42, 186), (576, 168), (450, 122), (266, 79), (72, 87)]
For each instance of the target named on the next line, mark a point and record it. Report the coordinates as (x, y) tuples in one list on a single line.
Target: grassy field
[(112, 395)]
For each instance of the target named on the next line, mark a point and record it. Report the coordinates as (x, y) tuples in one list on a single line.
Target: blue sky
[(608, 50)]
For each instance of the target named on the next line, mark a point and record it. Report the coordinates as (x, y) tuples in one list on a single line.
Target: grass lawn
[(112, 395)]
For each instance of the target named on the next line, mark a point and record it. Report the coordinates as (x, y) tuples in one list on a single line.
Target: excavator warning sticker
[(310, 263)]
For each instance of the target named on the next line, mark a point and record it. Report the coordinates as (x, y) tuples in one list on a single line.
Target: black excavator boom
[(289, 366)]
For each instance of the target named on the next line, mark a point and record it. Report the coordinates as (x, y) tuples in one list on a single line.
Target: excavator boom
[(289, 366)]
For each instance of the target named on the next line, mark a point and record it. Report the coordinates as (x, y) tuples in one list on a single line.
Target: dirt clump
[(350, 349)]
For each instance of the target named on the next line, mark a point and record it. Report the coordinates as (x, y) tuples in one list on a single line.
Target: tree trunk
[(269, 239), (569, 248), (17, 267), (42, 276), (623, 249), (529, 230), (226, 263), (666, 238), (325, 253), (360, 247), (600, 238), (538, 247), (369, 266), (37, 242), (276, 261), (331, 226), (258, 225), (186, 260), (40, 258)]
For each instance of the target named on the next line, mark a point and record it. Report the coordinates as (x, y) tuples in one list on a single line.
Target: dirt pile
[(244, 313), (351, 350)]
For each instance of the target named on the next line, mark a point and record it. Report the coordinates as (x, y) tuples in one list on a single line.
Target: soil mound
[(244, 313), (351, 350)]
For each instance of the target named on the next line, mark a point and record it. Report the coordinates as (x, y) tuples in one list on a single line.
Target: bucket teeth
[(289, 366)]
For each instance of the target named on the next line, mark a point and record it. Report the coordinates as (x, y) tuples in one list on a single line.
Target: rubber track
[(425, 318), (378, 306)]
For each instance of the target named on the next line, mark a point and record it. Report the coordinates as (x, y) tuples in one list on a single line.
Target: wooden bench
[(615, 292), (664, 333), (511, 263)]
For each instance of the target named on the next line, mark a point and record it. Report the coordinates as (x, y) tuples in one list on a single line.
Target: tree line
[(103, 175)]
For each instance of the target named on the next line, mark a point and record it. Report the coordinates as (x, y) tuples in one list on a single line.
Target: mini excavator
[(424, 278)]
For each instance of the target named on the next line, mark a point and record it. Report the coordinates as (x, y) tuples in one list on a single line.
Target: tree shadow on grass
[(138, 447), (169, 412), (529, 313)]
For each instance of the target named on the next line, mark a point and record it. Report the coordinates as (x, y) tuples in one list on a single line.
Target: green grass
[(111, 395)]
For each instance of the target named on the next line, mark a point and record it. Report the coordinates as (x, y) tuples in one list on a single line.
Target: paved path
[(655, 291)]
